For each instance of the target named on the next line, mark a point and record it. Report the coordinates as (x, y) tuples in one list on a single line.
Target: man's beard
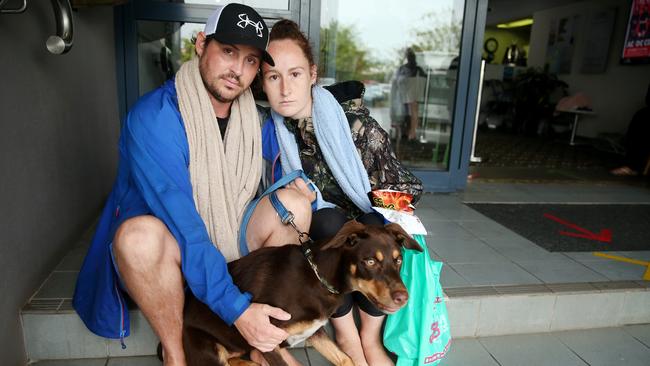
[(211, 84), (214, 91)]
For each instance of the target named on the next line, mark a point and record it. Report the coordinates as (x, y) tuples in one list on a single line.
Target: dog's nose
[(400, 297)]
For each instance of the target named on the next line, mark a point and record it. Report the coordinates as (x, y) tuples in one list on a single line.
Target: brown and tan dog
[(359, 258)]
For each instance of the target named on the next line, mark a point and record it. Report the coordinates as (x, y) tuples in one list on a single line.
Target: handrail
[(13, 11), (62, 42)]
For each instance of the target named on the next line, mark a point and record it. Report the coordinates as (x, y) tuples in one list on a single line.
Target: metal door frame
[(465, 105)]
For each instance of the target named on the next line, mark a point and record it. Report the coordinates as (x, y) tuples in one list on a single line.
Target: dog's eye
[(398, 260), (370, 262)]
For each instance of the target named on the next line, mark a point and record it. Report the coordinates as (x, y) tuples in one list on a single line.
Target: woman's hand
[(299, 185)]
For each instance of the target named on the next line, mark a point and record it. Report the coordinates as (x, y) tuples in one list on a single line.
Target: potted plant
[(535, 94)]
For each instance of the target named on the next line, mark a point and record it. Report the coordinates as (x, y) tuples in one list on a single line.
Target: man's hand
[(300, 185), (256, 328)]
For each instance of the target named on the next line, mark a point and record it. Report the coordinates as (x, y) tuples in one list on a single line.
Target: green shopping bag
[(419, 332)]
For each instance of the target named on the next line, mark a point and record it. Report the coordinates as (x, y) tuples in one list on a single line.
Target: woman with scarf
[(330, 135)]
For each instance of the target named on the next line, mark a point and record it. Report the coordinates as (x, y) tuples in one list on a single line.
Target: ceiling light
[(516, 23)]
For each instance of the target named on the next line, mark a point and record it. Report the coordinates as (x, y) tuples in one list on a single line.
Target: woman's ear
[(313, 74), (199, 44)]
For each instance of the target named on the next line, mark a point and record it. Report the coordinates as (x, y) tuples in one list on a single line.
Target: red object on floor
[(605, 235)]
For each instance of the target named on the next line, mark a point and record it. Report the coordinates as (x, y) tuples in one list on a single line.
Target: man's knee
[(143, 239)]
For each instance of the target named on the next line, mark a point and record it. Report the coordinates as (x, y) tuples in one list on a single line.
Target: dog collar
[(306, 251), (287, 217)]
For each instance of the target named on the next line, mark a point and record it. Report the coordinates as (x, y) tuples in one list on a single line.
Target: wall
[(618, 92), (500, 11), (58, 131), (505, 37)]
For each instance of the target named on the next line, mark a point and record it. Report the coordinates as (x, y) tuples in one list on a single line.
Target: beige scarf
[(224, 173)]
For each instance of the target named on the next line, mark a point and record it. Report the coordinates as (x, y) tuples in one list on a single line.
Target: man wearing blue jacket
[(190, 163)]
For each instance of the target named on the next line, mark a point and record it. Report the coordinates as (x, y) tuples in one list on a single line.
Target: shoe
[(624, 171)]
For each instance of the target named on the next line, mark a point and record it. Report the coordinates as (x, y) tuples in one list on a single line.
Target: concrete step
[(53, 330), (505, 310)]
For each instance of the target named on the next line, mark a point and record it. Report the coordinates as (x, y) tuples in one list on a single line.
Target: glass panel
[(258, 4), (162, 48), (412, 97)]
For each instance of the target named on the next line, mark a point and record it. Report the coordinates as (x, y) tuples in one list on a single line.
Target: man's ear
[(347, 234), (402, 237), (199, 44)]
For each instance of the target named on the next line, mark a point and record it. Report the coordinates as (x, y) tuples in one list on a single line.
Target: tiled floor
[(478, 251), (628, 345)]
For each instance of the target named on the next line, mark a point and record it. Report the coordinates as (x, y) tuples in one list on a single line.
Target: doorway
[(553, 105)]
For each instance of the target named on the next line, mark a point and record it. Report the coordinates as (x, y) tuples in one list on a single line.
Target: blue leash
[(286, 216)]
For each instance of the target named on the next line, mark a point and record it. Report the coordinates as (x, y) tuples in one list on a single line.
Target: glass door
[(416, 58)]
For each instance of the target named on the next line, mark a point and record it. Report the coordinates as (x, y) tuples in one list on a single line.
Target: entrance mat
[(575, 228)]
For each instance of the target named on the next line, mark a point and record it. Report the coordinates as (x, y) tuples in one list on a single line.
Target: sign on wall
[(637, 38)]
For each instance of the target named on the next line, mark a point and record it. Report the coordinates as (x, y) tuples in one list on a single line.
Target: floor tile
[(430, 214), (465, 352), (465, 251), (79, 362), (446, 229), (606, 347), (438, 201), (558, 271), (640, 332), (134, 361), (300, 353), (528, 252), (616, 270), (449, 278), (498, 197), (73, 260), (60, 285), (531, 349), (486, 229), (44, 340), (582, 256), (510, 240), (462, 213), (502, 273), (642, 255), (315, 358)]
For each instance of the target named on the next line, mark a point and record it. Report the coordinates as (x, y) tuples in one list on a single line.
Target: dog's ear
[(347, 234), (402, 237)]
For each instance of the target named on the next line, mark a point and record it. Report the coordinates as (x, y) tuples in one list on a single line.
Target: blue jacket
[(153, 179), (270, 153)]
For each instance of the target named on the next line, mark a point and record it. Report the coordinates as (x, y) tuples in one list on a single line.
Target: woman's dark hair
[(288, 29)]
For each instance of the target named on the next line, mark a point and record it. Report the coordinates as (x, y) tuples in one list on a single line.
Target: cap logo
[(244, 22)]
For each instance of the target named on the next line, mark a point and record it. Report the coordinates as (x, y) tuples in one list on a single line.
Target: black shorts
[(362, 302)]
